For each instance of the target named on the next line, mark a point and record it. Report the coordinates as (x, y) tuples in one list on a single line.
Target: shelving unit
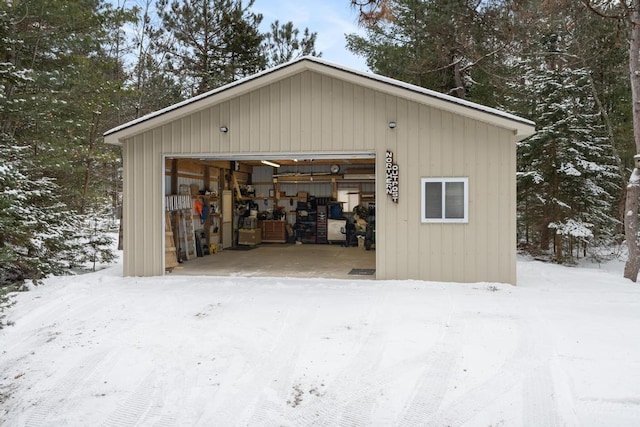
[(211, 221), (304, 198), (306, 224), (322, 218)]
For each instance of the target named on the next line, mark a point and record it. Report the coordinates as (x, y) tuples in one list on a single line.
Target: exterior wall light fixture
[(392, 125), (224, 129)]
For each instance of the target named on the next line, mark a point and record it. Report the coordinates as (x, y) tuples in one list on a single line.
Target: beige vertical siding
[(432, 143), (311, 112)]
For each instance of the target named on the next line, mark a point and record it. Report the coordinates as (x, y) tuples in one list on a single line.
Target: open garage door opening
[(277, 215)]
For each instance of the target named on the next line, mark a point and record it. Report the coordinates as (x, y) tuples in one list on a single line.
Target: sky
[(331, 19)]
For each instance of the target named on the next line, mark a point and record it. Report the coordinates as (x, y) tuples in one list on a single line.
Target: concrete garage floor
[(283, 260)]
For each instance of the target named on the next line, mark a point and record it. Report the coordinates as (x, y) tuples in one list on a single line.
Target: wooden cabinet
[(273, 231), (249, 237)]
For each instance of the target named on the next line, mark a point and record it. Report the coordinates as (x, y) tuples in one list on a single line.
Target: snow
[(634, 179), (569, 169), (573, 228), (560, 349)]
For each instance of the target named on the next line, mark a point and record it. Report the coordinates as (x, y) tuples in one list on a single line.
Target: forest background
[(72, 69)]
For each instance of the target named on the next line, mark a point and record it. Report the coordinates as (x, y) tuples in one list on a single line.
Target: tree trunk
[(557, 242), (458, 79), (545, 232), (85, 186), (632, 266), (550, 209), (121, 234), (88, 164)]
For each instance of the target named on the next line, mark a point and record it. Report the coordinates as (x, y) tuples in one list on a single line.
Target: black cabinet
[(321, 224), (306, 223)]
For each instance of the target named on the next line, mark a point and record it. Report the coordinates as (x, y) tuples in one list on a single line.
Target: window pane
[(454, 200), (433, 199)]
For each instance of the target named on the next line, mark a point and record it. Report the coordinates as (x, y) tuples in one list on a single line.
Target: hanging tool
[(236, 186)]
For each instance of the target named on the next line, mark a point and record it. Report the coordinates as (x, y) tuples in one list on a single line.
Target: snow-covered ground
[(560, 349)]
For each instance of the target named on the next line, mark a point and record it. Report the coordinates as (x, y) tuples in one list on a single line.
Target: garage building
[(301, 153)]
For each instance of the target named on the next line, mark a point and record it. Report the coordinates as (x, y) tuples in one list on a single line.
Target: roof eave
[(116, 135), (521, 127)]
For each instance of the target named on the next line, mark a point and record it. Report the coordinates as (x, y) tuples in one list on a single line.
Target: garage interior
[(281, 215)]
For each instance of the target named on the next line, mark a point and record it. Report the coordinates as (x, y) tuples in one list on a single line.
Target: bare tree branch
[(370, 12), (483, 57)]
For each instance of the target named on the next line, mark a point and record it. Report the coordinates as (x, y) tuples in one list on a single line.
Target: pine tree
[(210, 42), (153, 89), (36, 229), (567, 171), (626, 15), (96, 238), (284, 44), (57, 85), (63, 108), (453, 47)]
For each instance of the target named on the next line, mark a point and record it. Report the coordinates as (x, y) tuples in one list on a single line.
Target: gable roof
[(520, 126)]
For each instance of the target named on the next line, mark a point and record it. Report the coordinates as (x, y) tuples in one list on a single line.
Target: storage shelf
[(206, 196), (246, 198), (320, 179)]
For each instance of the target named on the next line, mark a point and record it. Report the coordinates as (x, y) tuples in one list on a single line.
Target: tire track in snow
[(436, 365), (513, 372), (357, 407), (352, 398), (56, 399), (273, 407), (167, 421), (177, 398), (433, 383), (263, 401), (143, 405), (311, 410), (343, 401), (604, 411), (172, 387), (342, 404), (538, 395)]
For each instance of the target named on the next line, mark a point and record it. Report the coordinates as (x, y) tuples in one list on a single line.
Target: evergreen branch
[(599, 12)]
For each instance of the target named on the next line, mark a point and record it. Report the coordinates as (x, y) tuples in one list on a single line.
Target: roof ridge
[(325, 63)]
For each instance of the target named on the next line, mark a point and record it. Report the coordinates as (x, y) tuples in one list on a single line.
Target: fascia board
[(521, 127), (158, 118)]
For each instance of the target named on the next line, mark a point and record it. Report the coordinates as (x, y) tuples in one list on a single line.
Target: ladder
[(182, 205), (187, 235), (170, 254)]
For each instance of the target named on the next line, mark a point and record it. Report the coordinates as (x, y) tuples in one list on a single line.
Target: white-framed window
[(445, 200)]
